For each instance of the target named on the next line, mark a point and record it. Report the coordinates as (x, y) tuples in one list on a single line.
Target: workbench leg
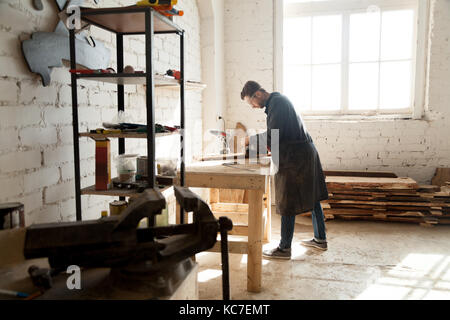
[(268, 226), (177, 215), (255, 233), (186, 221)]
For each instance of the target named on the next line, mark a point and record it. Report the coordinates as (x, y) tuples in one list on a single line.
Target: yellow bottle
[(156, 3)]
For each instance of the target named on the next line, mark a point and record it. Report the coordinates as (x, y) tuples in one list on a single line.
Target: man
[(299, 182)]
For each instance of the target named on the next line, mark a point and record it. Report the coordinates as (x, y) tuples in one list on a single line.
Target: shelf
[(115, 192), (140, 79), (127, 20), (100, 136)]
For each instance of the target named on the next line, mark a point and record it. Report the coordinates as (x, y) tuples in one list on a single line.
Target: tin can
[(12, 215), (117, 207)]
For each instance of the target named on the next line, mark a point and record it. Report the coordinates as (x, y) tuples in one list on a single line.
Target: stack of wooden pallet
[(385, 197)]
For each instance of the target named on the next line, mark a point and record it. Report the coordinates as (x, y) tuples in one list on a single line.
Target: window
[(352, 57)]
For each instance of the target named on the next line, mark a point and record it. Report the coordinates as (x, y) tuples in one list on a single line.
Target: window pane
[(397, 34), (326, 87), (327, 38), (395, 91), (363, 86), (365, 37), (297, 86), (297, 41)]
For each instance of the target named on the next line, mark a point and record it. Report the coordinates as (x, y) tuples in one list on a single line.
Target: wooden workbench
[(254, 178)]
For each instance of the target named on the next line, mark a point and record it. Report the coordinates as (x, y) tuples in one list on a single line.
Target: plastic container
[(126, 167), (167, 167)]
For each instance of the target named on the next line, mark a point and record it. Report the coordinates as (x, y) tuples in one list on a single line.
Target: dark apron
[(299, 182)]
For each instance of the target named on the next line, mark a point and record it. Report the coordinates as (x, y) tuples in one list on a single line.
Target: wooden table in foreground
[(255, 179)]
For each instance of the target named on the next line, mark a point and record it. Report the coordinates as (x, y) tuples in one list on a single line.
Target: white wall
[(213, 70), (36, 146), (407, 147)]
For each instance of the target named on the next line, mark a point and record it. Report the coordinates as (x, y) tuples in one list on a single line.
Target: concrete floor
[(365, 260)]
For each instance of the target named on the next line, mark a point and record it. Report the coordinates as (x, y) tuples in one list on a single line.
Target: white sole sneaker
[(276, 254), (276, 257), (314, 245)]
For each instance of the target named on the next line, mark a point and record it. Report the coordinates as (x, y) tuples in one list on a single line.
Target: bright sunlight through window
[(344, 57), (417, 277)]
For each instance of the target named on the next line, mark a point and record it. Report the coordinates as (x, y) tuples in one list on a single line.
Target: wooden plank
[(325, 205), (406, 193), (371, 207), (373, 190), (441, 176), (229, 207), (348, 183), (213, 195), (361, 212), (238, 247), (231, 195), (239, 230), (387, 219), (240, 218), (388, 203), (429, 199), (429, 188), (372, 174), (255, 232), (217, 180)]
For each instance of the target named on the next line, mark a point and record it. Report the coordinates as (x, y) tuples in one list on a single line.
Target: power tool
[(164, 7), (174, 73)]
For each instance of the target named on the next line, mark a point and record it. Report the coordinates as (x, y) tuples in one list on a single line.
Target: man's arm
[(275, 121)]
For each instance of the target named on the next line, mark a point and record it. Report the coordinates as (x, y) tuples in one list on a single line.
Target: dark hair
[(250, 89)]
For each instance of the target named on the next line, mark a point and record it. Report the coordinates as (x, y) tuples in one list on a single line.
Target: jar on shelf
[(126, 167)]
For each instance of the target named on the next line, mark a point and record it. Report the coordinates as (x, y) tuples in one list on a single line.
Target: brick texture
[(36, 140), (411, 148)]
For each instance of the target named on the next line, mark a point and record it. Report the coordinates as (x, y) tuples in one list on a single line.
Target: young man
[(299, 181)]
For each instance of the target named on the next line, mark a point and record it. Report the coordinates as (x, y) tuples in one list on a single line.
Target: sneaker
[(277, 253), (314, 244)]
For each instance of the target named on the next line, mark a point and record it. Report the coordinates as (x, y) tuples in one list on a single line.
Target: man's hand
[(247, 140)]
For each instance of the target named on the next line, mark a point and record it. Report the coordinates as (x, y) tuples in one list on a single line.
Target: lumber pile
[(384, 198)]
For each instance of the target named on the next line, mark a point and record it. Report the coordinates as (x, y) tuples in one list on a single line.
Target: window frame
[(419, 57)]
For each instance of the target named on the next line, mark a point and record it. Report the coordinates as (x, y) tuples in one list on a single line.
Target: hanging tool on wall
[(165, 7), (92, 71)]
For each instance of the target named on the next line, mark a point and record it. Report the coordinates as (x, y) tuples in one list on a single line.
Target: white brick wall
[(36, 146), (407, 147)]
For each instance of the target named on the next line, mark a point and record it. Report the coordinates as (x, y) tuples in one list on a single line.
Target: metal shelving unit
[(133, 20)]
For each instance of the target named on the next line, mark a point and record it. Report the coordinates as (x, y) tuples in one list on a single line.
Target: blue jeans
[(288, 224)]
